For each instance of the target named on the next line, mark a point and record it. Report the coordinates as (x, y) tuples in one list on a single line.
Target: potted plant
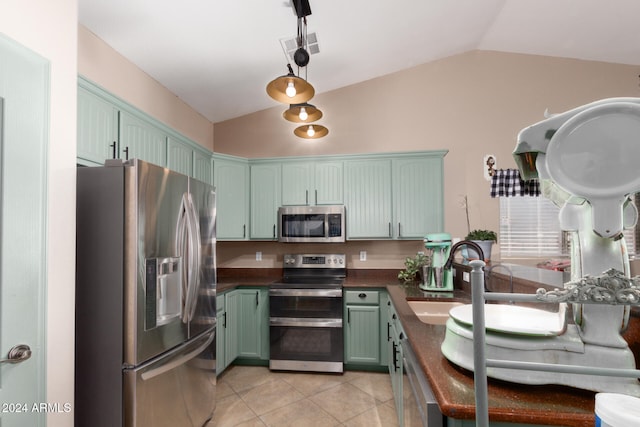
[(485, 239), (413, 267)]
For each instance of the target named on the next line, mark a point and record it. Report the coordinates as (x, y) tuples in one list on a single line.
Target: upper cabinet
[(231, 178), (265, 200), (312, 183), (418, 196), (142, 140), (109, 128), (399, 196), (368, 199), (97, 128)]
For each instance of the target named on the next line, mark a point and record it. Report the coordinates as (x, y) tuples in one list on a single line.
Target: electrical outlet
[(258, 256), (465, 276), (363, 255), (420, 252)]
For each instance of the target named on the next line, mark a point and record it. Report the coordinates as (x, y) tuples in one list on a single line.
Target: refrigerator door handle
[(181, 250), (178, 361), (194, 239)]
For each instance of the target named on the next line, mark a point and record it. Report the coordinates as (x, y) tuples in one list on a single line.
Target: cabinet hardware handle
[(395, 356), (113, 146), (393, 317), (390, 229), (274, 232), (316, 197), (388, 331), (224, 319), (244, 230), (399, 232), (306, 197), (362, 295), (126, 153), (348, 315), (256, 298)]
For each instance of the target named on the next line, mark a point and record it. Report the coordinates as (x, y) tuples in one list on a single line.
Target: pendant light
[(311, 131), (302, 113), (290, 89)]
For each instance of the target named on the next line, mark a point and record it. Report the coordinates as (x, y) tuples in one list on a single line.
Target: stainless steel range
[(306, 314)]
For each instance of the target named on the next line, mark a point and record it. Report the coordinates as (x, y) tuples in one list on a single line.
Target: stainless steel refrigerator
[(145, 297)]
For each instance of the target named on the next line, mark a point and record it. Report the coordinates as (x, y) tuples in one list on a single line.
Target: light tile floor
[(255, 396)]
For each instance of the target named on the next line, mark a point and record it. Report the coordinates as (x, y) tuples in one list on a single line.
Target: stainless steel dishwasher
[(420, 407)]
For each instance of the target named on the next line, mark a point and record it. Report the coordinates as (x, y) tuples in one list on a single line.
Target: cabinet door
[(368, 199), (417, 197), (231, 304), (139, 139), (231, 179), (297, 183), (329, 183), (265, 200), (179, 157), (252, 308), (203, 166), (220, 335), (97, 128), (362, 334)]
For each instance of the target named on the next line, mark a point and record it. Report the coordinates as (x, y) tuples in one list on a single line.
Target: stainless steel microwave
[(311, 224)]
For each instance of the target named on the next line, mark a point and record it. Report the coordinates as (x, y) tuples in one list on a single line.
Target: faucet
[(454, 248), (487, 274)]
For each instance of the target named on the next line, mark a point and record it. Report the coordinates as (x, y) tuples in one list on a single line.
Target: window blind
[(529, 227)]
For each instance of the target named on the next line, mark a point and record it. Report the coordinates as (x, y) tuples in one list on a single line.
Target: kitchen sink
[(433, 312)]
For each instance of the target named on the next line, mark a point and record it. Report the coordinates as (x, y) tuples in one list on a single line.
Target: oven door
[(305, 303), (306, 345)]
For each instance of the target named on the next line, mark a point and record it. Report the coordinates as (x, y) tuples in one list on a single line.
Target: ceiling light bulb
[(303, 114), (311, 131), (291, 90)]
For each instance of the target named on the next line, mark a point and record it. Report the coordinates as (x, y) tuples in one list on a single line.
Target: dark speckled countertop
[(452, 386)]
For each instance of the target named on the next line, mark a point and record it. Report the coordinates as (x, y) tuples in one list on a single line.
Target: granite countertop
[(452, 386)]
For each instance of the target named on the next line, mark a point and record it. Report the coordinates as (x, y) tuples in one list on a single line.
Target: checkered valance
[(508, 183)]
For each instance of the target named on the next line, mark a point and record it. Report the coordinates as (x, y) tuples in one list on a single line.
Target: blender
[(438, 278)]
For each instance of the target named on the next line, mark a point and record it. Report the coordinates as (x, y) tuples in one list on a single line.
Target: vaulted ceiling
[(218, 55)]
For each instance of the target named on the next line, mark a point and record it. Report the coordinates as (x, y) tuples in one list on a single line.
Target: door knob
[(17, 354)]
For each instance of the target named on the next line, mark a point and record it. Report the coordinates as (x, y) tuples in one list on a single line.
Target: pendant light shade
[(311, 131), (302, 113), (290, 89)]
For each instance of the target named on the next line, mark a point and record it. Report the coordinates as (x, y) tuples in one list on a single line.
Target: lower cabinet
[(243, 326), (394, 351), (363, 338)]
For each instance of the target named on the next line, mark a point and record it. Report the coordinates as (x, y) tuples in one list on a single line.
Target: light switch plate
[(258, 256), (363, 255)]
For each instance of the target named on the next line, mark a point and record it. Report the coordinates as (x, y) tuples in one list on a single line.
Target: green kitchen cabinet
[(231, 178), (140, 139), (368, 198), (203, 166), (394, 351), (362, 327), (265, 200), (253, 323), (399, 196), (97, 128), (231, 327), (179, 156), (221, 317), (184, 157), (418, 196), (312, 183)]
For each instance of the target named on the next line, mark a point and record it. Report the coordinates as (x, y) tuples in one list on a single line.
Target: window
[(529, 227)]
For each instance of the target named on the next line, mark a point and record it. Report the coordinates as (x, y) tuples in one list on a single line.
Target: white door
[(24, 130)]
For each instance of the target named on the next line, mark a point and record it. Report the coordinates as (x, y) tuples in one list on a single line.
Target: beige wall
[(100, 63), (49, 29), (471, 104)]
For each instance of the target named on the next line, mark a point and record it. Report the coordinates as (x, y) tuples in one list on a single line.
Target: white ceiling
[(218, 55)]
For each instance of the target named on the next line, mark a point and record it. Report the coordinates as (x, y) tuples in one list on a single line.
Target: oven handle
[(319, 293), (306, 323)]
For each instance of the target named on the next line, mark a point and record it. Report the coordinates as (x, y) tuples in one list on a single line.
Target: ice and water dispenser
[(163, 298)]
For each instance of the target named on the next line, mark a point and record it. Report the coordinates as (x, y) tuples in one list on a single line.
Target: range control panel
[(315, 261)]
